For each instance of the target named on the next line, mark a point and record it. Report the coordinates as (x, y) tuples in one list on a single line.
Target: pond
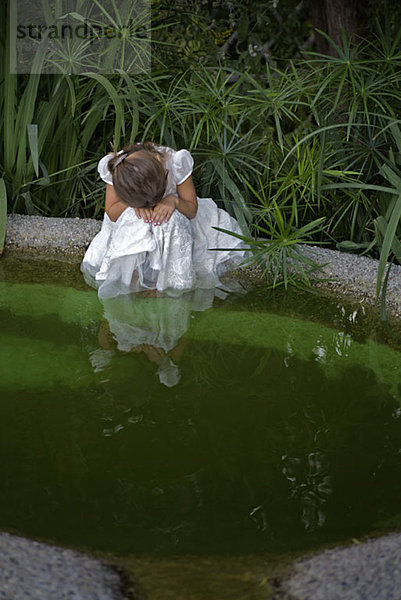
[(175, 426)]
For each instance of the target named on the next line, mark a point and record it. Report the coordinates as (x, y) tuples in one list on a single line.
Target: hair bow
[(120, 159)]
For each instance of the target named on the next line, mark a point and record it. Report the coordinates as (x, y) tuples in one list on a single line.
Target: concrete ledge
[(50, 235), (367, 571), (38, 571)]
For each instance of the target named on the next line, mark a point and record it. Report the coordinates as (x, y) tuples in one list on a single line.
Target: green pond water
[(263, 424)]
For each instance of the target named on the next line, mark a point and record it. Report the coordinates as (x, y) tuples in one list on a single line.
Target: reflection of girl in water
[(153, 325), (168, 371)]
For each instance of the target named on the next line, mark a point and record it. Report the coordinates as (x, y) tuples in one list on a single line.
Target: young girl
[(156, 233)]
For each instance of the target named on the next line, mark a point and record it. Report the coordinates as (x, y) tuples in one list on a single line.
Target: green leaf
[(30, 209), (119, 120), (383, 312), (396, 245), (3, 213), (33, 146), (350, 245), (387, 243)]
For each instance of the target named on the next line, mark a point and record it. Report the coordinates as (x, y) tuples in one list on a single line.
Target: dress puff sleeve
[(103, 169), (182, 166)]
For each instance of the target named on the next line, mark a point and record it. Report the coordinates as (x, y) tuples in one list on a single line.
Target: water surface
[(262, 424)]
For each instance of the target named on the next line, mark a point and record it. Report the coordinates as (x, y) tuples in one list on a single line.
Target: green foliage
[(356, 102), (245, 35), (279, 252)]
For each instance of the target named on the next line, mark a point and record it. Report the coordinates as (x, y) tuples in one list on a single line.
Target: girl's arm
[(186, 203), (114, 207)]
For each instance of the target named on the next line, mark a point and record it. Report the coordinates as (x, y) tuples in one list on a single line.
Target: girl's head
[(139, 177)]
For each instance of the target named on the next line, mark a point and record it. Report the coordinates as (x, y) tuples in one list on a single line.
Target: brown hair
[(139, 176)]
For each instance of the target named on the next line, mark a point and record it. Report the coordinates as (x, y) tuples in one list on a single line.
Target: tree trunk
[(331, 16)]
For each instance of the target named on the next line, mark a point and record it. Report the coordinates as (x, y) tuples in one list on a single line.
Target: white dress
[(129, 255)]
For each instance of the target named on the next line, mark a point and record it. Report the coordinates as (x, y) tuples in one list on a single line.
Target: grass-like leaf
[(3, 213)]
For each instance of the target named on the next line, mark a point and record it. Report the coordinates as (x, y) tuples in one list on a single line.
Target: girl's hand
[(144, 213), (164, 209)]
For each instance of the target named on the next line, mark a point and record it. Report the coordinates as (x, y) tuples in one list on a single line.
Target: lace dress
[(129, 255)]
